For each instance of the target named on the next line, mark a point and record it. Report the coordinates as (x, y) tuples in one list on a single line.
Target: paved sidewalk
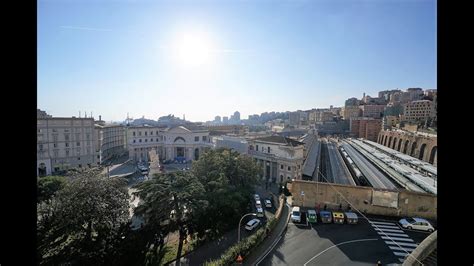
[(260, 251)]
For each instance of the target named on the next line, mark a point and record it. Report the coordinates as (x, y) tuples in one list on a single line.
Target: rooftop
[(281, 140)]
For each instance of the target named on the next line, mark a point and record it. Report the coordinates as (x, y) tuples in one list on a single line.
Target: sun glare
[(193, 49)]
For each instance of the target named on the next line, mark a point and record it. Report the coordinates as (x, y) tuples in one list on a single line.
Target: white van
[(296, 214)]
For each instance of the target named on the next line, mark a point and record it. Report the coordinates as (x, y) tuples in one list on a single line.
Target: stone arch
[(422, 151), (399, 145), (389, 141), (413, 149), (179, 138), (385, 141), (394, 143), (405, 147), (433, 155)]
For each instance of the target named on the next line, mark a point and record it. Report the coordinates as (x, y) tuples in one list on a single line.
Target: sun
[(193, 49)]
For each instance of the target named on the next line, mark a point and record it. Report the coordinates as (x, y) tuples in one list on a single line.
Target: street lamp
[(238, 236)]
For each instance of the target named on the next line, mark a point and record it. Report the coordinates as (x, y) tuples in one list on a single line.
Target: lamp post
[(238, 235)]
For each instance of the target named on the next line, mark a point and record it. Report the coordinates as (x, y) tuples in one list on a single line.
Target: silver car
[(416, 223), (252, 224)]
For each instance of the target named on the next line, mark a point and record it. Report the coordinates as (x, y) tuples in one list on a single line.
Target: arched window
[(394, 143), (405, 148), (413, 149), (196, 154), (422, 151), (433, 154), (399, 144), (179, 138)]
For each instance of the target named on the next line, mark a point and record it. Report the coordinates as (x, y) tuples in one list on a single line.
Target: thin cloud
[(84, 28)]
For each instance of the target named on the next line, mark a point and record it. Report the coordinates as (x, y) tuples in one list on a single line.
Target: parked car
[(256, 197), (326, 217), (338, 217), (312, 218), (416, 223), (296, 214), (260, 212), (252, 224), (268, 203), (351, 218)]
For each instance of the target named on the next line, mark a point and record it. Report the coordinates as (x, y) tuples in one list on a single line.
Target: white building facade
[(64, 143), (281, 158), (170, 143)]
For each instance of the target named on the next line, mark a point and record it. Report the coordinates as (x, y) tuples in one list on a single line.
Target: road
[(335, 244), (375, 177), (340, 173)]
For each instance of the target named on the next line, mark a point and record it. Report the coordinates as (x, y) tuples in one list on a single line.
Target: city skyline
[(252, 57)]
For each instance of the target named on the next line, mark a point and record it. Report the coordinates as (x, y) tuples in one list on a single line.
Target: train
[(360, 179)]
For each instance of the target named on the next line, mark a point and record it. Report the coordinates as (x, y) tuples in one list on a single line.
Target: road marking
[(398, 238), (347, 242), (387, 226), (401, 254), (402, 249), (401, 244), (382, 233), (389, 230)]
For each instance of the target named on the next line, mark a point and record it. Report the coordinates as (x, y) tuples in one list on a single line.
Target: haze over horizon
[(208, 58)]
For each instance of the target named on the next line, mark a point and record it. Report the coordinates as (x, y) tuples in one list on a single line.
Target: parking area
[(364, 243)]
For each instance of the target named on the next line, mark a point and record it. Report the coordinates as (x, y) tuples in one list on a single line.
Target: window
[(157, 139), (55, 145), (80, 165), (78, 144), (66, 137), (78, 158), (256, 147), (55, 137), (196, 138), (134, 141), (67, 152), (56, 154), (134, 133), (139, 133), (204, 138), (88, 136), (268, 149), (55, 130), (151, 133), (146, 140), (151, 140), (289, 168), (281, 166), (67, 144), (146, 133)]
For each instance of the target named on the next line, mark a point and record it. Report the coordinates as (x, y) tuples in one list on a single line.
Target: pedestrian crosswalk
[(395, 238)]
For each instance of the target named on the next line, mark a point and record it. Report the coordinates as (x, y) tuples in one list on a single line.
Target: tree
[(229, 179), (171, 200), (82, 224), (48, 186)]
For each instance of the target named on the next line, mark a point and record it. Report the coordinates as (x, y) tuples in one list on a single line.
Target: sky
[(206, 58)]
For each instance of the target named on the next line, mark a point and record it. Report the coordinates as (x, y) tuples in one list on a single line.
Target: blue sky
[(111, 57)]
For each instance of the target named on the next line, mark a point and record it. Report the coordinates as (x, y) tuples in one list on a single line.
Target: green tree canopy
[(81, 224), (48, 186), (229, 180), (171, 201)]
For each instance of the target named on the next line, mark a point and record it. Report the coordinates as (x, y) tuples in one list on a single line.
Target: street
[(335, 244)]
